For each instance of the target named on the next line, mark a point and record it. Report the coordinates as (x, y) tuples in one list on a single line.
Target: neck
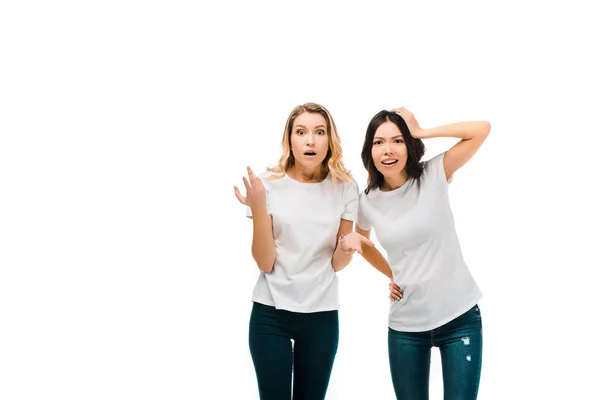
[(307, 174), (394, 182)]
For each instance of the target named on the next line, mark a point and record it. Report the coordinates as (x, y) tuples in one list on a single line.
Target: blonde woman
[(303, 212)]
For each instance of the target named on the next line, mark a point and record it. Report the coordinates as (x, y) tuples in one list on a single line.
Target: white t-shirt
[(306, 219), (416, 228)]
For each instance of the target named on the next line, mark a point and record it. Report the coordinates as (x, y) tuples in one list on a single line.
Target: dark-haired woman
[(434, 297)]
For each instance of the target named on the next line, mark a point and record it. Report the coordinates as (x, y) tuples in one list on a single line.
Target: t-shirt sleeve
[(350, 201), (363, 222), (267, 190), (434, 169)]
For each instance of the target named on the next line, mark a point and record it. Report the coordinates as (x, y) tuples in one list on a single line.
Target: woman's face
[(389, 150), (310, 139)]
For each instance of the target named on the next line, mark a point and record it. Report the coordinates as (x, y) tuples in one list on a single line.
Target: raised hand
[(256, 196), (411, 121)]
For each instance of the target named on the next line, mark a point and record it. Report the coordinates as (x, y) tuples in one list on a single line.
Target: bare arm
[(263, 242), (374, 257), (472, 133), (341, 258)]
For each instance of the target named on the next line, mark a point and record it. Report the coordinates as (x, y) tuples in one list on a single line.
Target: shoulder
[(340, 185), (265, 174), (434, 163), (269, 175), (366, 197), (434, 170), (350, 185), (348, 189), (435, 166), (271, 179)]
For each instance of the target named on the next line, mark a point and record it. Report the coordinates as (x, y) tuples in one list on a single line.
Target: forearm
[(462, 130), (377, 260), (263, 243), (340, 258)]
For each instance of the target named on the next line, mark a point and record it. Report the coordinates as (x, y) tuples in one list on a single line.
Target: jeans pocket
[(475, 310)]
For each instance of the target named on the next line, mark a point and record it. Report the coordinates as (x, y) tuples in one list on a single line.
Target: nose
[(387, 149), (310, 139)]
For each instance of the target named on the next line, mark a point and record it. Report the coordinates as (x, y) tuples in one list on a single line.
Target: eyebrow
[(302, 126), (395, 137)]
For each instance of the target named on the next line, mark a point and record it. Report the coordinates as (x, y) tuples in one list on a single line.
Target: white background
[(125, 258)]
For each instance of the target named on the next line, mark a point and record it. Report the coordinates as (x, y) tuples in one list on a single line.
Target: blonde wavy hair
[(333, 161)]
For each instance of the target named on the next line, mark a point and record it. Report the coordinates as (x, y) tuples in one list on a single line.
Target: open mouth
[(310, 153), (389, 162)]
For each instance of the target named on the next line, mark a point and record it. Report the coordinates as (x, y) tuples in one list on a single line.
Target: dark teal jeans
[(309, 361), (460, 342)]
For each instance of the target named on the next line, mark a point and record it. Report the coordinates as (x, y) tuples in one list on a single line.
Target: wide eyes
[(320, 132)]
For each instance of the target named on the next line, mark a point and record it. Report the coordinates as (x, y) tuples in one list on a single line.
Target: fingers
[(396, 293), (395, 288), (239, 196), (255, 181), (251, 174), (253, 178), (407, 115), (403, 112), (354, 242), (344, 246), (367, 241), (247, 184), (354, 247)]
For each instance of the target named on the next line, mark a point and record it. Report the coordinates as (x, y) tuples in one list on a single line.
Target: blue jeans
[(311, 358), (460, 342)]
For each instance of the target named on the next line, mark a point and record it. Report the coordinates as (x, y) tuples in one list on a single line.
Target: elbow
[(486, 128), (265, 264), (264, 256), (480, 132), (339, 268), (339, 265), (266, 268)]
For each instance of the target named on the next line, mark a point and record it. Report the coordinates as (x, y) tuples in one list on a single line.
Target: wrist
[(422, 133), (259, 209), (342, 246)]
